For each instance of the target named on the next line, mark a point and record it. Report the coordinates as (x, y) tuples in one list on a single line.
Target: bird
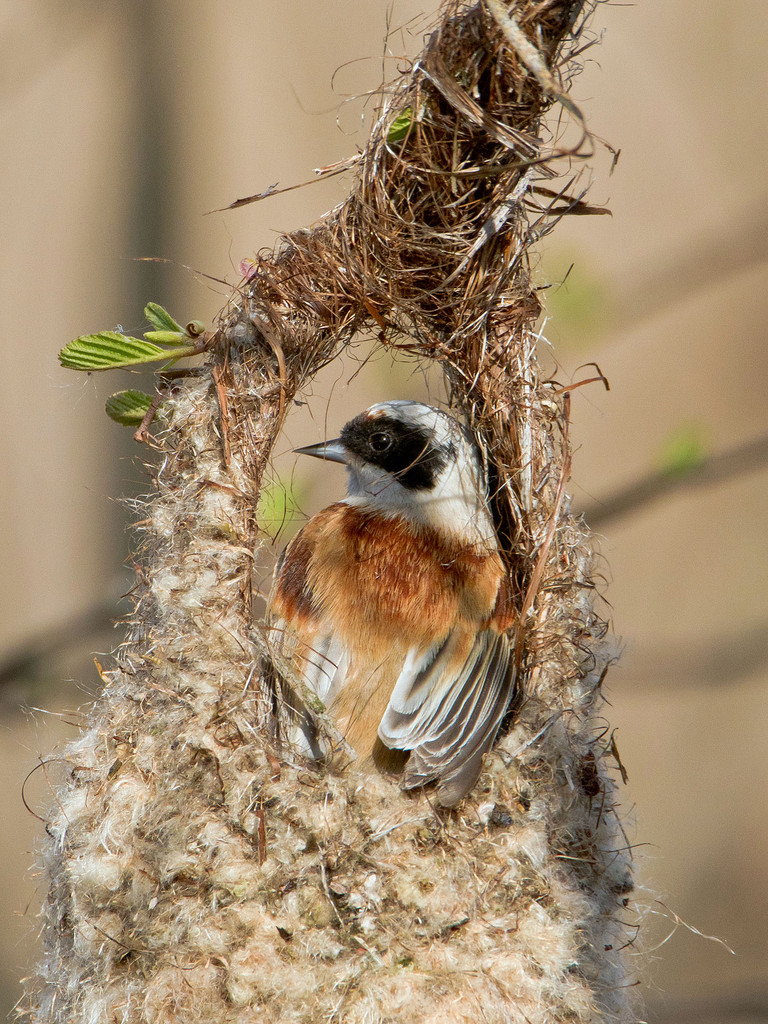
[(393, 606)]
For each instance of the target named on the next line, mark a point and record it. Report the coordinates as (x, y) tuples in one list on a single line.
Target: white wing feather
[(321, 667), (448, 724)]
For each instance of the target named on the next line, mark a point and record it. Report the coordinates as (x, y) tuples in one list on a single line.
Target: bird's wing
[(317, 661), (317, 657), (446, 709), (303, 647)]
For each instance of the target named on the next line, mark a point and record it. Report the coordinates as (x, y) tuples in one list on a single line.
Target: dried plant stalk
[(199, 872)]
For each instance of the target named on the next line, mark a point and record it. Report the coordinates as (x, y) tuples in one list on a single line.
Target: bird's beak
[(331, 451)]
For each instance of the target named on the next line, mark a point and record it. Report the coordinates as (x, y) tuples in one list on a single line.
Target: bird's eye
[(380, 441)]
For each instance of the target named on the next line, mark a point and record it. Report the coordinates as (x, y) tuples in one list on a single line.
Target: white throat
[(455, 505)]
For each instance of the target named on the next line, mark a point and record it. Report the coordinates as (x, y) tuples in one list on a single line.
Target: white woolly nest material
[(359, 902)]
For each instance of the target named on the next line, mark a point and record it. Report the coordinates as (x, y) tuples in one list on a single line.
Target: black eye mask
[(406, 451)]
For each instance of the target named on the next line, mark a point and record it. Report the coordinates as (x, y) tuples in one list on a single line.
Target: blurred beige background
[(123, 123)]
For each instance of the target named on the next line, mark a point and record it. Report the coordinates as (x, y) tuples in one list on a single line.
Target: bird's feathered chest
[(380, 580)]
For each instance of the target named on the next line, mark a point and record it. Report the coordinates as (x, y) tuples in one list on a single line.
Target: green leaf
[(128, 407), (400, 126), (167, 337), (109, 350), (161, 319), (279, 506), (683, 450), (274, 505)]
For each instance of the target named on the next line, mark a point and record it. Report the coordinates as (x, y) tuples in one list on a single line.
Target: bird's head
[(409, 459)]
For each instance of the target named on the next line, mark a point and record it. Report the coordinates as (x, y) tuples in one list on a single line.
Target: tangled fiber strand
[(199, 871)]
